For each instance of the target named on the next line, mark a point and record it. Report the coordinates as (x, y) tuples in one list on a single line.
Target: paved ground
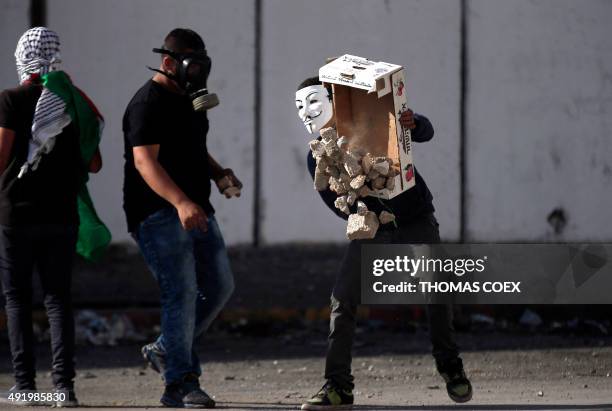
[(393, 372)]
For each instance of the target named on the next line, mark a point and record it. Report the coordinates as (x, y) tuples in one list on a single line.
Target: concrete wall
[(540, 119), (538, 102), (13, 22)]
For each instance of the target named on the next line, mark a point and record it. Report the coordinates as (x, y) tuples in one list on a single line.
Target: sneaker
[(66, 398), (458, 386), (187, 394), (20, 396), (154, 357), (196, 394), (330, 397)]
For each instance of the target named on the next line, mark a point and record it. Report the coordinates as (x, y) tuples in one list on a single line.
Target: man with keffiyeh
[(49, 136)]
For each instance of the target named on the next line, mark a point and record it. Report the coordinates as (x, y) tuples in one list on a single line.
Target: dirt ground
[(267, 350), (393, 371)]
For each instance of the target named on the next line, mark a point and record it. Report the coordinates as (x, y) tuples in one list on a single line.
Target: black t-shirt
[(406, 206), (49, 193), (158, 116)]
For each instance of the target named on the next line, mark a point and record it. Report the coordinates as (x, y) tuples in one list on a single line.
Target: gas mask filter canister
[(191, 75)]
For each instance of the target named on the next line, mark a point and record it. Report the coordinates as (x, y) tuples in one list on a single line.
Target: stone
[(362, 209), (333, 171), (366, 163), (382, 168), (342, 205), (358, 182), (379, 183), (362, 227), (317, 148), (352, 197), (364, 191), (337, 158), (386, 217), (337, 186), (331, 148), (232, 191), (324, 161), (329, 133), (390, 185), (352, 164), (321, 179), (342, 141), (373, 175)]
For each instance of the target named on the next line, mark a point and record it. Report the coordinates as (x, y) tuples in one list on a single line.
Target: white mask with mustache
[(314, 107)]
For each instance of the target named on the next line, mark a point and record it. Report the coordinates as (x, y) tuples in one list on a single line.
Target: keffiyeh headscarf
[(37, 54)]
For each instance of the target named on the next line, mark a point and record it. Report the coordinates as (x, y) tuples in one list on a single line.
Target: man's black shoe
[(66, 398), (330, 397), (187, 394), (458, 386)]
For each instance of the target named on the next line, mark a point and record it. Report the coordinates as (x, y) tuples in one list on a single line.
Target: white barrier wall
[(106, 48), (13, 22), (297, 37), (540, 119), (539, 101)]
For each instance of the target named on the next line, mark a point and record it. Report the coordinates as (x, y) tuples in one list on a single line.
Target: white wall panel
[(540, 119)]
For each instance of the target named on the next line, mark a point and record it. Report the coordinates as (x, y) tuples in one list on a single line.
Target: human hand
[(192, 216), (407, 119), (229, 184)]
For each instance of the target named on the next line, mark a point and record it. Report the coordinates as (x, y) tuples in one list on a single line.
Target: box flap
[(357, 72)]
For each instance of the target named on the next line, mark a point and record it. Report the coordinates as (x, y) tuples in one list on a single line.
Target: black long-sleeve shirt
[(408, 205)]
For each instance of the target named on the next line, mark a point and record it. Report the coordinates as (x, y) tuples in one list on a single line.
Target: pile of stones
[(352, 174)]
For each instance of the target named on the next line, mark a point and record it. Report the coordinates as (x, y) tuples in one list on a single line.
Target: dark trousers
[(49, 249), (346, 296)]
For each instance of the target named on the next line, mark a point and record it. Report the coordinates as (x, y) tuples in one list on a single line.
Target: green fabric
[(94, 236)]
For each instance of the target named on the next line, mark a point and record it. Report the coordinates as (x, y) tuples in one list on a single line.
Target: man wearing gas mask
[(415, 224), (168, 173)]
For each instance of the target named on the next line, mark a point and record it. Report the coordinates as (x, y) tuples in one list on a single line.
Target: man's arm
[(145, 160), (7, 138), (216, 171)]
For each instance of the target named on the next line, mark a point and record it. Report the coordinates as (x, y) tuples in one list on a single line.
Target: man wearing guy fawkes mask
[(168, 173), (415, 224)]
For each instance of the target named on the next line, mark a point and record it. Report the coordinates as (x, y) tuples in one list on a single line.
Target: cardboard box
[(369, 98)]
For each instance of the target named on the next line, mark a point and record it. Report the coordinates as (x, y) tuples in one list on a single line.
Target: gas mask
[(191, 75), (314, 106)]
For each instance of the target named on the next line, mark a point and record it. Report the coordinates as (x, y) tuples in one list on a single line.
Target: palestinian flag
[(94, 236)]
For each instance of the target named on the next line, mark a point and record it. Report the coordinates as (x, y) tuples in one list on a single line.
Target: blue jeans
[(195, 281)]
